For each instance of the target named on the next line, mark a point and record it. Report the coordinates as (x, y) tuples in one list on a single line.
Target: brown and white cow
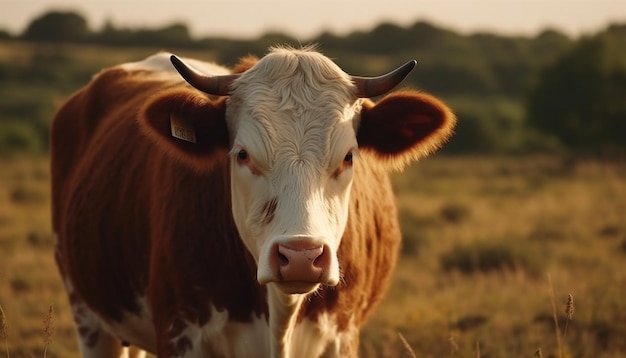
[(250, 216)]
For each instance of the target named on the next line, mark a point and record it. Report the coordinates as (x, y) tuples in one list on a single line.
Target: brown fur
[(141, 213)]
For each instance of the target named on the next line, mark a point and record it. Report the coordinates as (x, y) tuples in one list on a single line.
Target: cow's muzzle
[(299, 264)]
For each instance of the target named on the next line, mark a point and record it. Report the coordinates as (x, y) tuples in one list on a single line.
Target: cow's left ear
[(188, 126), (404, 126)]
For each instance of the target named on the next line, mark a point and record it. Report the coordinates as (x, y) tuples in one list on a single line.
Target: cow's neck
[(283, 315)]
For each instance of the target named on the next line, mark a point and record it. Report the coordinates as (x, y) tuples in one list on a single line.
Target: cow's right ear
[(187, 126), (405, 125)]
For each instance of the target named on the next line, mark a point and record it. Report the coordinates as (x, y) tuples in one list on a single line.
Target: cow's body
[(151, 252)]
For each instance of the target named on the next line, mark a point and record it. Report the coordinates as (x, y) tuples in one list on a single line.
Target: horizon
[(306, 19)]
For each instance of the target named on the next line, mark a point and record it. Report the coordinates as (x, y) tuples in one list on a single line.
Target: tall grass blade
[(406, 345), (569, 312), (556, 318), (4, 331), (48, 330)]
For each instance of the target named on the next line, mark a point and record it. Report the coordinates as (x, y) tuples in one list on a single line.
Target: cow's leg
[(346, 344), (134, 352), (343, 349), (93, 339)]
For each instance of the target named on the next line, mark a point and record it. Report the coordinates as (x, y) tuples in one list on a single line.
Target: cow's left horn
[(216, 85), (375, 86)]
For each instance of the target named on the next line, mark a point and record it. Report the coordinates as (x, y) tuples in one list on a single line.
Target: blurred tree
[(5, 34), (548, 45), (423, 36), (486, 124), (508, 58), (386, 38), (473, 134), (581, 99), (171, 35), (457, 75), (18, 137), (175, 35), (57, 26), (112, 35), (328, 40)]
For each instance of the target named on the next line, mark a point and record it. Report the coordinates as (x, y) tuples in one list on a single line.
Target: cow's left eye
[(348, 158)]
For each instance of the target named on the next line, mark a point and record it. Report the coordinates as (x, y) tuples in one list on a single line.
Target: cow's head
[(293, 125)]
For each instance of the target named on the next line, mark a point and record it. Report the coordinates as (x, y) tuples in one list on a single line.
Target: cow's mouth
[(297, 287)]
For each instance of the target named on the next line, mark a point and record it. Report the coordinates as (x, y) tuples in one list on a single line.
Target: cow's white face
[(292, 122), (289, 123)]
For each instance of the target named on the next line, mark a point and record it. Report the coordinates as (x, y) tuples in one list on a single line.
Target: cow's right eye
[(242, 155), (244, 160)]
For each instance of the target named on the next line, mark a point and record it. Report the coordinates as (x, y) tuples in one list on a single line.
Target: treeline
[(511, 94)]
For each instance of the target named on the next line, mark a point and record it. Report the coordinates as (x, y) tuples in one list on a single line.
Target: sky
[(304, 19)]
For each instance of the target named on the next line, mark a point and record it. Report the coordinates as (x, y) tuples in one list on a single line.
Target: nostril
[(282, 259), (300, 254), (323, 259)]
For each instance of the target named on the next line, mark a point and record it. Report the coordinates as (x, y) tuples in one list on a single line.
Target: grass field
[(481, 238)]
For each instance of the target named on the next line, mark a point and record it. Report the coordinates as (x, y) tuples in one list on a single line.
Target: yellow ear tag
[(182, 130)]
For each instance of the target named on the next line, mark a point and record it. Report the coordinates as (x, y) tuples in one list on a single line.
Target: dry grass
[(29, 282), (564, 217), (555, 215)]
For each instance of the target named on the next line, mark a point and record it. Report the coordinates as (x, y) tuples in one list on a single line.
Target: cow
[(244, 212)]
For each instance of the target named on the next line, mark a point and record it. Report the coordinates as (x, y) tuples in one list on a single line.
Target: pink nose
[(301, 261)]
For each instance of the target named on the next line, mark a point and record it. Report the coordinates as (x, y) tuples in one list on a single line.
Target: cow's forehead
[(291, 64), (294, 103), (295, 80)]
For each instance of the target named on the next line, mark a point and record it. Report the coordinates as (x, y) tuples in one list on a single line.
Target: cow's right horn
[(376, 86), (216, 85)]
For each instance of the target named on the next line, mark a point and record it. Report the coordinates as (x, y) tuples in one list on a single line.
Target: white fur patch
[(161, 67), (251, 338), (311, 339), (98, 339), (136, 329), (222, 338)]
